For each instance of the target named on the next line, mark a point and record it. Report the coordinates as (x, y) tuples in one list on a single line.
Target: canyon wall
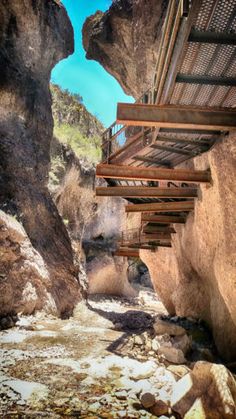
[(196, 277), (94, 225), (34, 36)]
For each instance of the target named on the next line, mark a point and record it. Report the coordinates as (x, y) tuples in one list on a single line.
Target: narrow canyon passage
[(117, 209), (106, 361)]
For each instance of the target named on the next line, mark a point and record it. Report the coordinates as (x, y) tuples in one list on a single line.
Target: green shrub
[(86, 147)]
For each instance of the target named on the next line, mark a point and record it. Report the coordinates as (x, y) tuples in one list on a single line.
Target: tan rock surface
[(197, 276), (162, 327), (25, 284), (108, 275), (208, 390)]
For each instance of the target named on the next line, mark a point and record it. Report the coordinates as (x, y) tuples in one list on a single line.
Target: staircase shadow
[(131, 322)]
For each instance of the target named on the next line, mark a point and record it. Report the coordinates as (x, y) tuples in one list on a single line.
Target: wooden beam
[(180, 131), (143, 246), (208, 37), (145, 173), (211, 80), (148, 238), (179, 206), (163, 219), (202, 143), (176, 116), (127, 252), (155, 237), (152, 161), (148, 192), (152, 229), (175, 149), (150, 247)]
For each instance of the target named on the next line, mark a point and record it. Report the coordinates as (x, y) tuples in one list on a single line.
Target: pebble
[(138, 340), (160, 408), (121, 395), (94, 407), (147, 400)]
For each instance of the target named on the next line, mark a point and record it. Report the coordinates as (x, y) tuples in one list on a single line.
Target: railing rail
[(117, 135)]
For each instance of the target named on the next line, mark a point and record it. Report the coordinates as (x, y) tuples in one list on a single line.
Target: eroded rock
[(162, 327), (113, 38), (34, 36), (172, 354)]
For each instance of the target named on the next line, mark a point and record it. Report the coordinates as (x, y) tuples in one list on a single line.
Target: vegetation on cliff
[(75, 126)]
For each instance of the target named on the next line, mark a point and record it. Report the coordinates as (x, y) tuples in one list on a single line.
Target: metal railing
[(116, 136)]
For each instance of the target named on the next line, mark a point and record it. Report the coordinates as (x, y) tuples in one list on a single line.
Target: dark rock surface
[(34, 36), (125, 40)]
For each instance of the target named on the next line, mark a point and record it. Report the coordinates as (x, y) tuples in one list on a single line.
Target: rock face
[(108, 275), (197, 276), (113, 38), (34, 36), (24, 281), (96, 223)]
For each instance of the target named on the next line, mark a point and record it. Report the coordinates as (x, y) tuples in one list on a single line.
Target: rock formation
[(125, 41), (197, 276), (34, 36), (95, 223)]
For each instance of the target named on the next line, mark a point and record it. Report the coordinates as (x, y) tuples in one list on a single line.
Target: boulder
[(183, 343), (209, 391), (172, 354), (161, 327)]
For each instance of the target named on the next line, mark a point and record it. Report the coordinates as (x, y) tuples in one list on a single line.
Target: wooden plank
[(198, 143), (127, 252), (173, 116), (148, 192), (152, 229), (152, 161), (147, 173), (150, 247), (163, 219), (144, 246), (146, 238), (178, 206), (155, 236), (209, 37), (175, 149), (211, 80), (200, 132)]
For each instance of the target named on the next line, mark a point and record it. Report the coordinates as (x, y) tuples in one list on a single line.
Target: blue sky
[(100, 91)]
